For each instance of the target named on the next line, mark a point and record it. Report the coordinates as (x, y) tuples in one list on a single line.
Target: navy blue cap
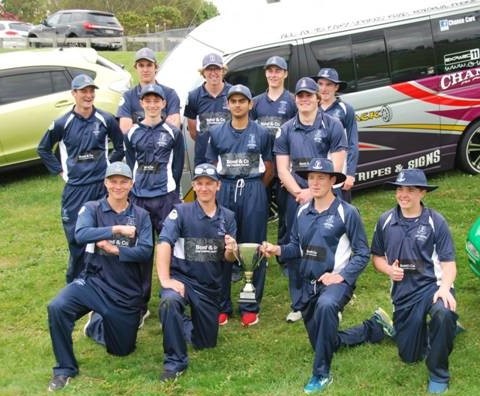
[(212, 59), (331, 75), (145, 53), (321, 165), (205, 170), (119, 168), (82, 81), (276, 61), (153, 89), (239, 89), (411, 178), (306, 84)]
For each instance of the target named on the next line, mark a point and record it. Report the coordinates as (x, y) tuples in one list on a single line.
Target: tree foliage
[(134, 15)]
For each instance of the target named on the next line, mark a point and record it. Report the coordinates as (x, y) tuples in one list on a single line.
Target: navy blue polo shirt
[(346, 115), (272, 114), (118, 276), (420, 244), (83, 146), (129, 106), (304, 142), (208, 111), (155, 154), (331, 241), (239, 153), (198, 243)]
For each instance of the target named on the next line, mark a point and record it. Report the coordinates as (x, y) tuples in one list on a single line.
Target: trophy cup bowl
[(249, 257)]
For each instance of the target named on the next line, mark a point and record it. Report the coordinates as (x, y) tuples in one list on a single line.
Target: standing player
[(329, 236), (82, 137), (207, 105), (155, 152), (241, 149), (271, 109), (311, 133), (130, 111), (195, 241), (329, 85), (119, 238)]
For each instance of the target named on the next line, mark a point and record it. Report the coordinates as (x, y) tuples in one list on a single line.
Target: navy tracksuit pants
[(73, 198), (115, 327), (201, 329), (250, 205)]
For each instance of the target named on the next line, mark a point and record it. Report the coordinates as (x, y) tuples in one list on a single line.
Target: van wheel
[(468, 153)]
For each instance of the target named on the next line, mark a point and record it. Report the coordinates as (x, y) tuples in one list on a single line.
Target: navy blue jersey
[(420, 244), (331, 241), (346, 114), (304, 142), (156, 156), (239, 154), (208, 111), (198, 243), (130, 107), (83, 145), (271, 114), (118, 276)]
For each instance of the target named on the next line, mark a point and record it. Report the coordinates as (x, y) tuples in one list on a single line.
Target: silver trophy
[(249, 257)]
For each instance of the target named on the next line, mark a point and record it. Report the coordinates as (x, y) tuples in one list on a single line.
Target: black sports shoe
[(58, 382), (168, 375)]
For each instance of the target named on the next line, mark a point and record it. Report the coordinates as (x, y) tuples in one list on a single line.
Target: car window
[(53, 19), (65, 18), (103, 19), (31, 85), (25, 27)]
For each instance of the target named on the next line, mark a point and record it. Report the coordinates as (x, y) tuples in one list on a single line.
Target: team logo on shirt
[(329, 222), (318, 136), (422, 233), (96, 128), (162, 140), (252, 143), (173, 214), (282, 108)]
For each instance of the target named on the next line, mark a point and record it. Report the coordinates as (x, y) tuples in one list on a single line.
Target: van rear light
[(11, 33), (88, 25)]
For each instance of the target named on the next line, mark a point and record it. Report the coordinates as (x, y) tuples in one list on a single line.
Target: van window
[(336, 53), (410, 49), (370, 60), (457, 41), (247, 69)]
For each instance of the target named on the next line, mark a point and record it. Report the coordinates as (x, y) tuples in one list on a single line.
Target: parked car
[(473, 247), (14, 33), (35, 88), (103, 27)]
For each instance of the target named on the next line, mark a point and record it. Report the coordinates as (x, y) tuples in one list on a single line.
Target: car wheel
[(34, 45), (468, 153)]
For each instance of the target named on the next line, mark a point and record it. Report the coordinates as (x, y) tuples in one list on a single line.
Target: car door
[(31, 99)]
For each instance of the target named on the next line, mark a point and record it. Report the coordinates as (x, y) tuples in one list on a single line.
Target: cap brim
[(213, 64), (215, 178), (147, 59), (306, 90), (394, 185), (87, 85), (342, 85), (340, 177)]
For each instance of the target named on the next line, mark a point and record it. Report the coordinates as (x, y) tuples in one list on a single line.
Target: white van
[(412, 68)]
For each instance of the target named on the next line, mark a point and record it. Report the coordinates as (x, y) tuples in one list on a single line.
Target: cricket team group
[(296, 152)]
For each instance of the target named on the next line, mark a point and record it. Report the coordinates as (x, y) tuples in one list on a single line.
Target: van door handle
[(63, 103)]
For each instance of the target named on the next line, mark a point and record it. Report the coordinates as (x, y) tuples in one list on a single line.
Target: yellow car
[(35, 89)]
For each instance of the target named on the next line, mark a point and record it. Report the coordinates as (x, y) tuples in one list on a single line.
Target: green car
[(35, 89), (473, 247)]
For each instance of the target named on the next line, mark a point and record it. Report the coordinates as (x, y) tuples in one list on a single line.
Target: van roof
[(300, 19)]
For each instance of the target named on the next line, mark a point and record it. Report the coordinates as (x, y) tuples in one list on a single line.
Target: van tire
[(468, 152)]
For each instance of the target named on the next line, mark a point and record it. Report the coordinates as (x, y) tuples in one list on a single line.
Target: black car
[(101, 26)]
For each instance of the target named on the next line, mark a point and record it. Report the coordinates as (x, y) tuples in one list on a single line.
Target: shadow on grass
[(22, 174)]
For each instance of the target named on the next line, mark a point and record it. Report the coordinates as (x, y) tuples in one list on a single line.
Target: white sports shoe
[(294, 316)]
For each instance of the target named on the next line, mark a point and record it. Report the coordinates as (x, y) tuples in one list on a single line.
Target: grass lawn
[(272, 358)]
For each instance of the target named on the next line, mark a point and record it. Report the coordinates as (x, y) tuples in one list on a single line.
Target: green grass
[(272, 358)]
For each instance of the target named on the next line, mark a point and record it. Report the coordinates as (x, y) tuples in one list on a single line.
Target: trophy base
[(247, 297)]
